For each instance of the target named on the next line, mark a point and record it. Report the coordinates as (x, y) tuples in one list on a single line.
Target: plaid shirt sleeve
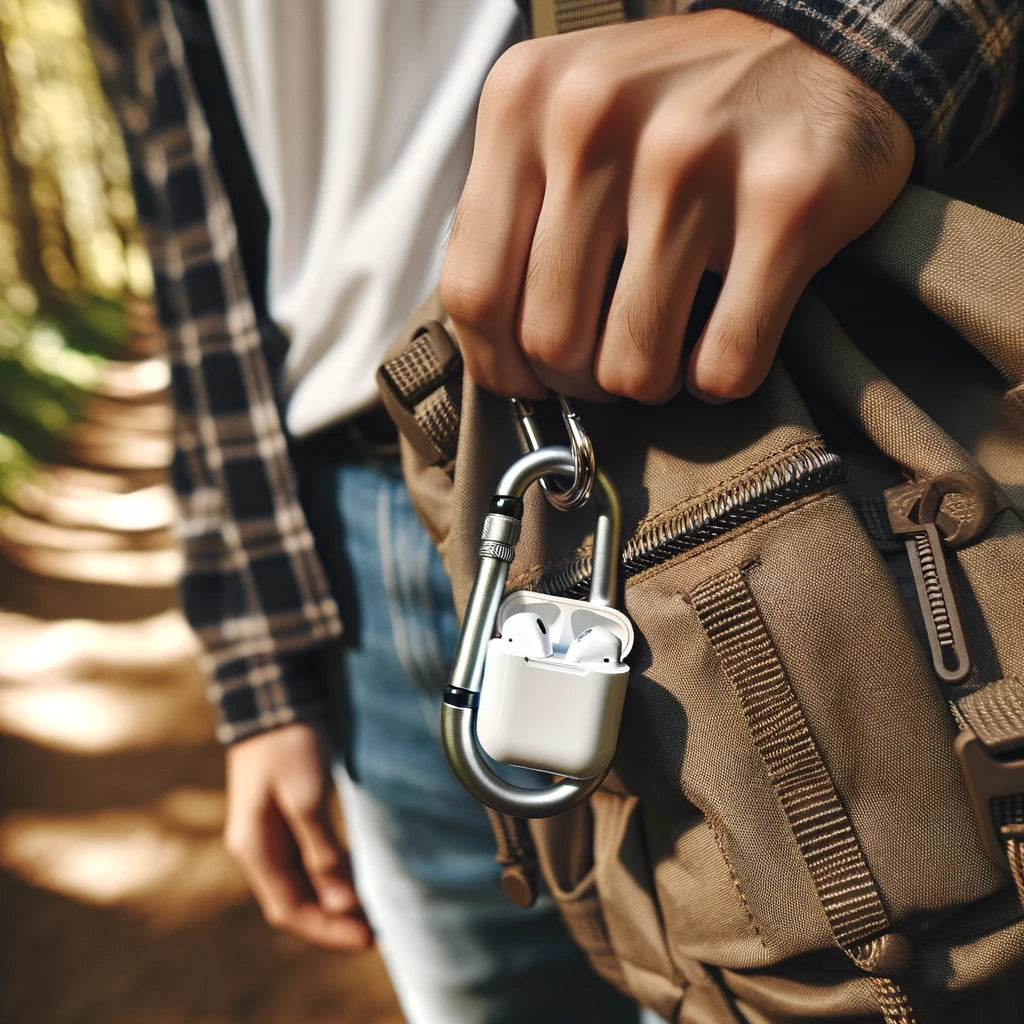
[(254, 589), (950, 68)]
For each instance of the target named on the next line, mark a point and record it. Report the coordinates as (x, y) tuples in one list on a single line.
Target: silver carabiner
[(577, 494), (498, 542)]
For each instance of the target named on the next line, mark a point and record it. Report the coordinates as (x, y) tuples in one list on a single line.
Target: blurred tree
[(69, 252), (19, 207)]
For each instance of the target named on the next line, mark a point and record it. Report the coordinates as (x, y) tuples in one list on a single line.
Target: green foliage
[(50, 365)]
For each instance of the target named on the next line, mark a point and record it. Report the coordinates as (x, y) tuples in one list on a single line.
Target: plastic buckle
[(430, 361), (990, 773)]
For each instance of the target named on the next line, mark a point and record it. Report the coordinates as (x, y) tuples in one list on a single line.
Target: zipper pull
[(917, 511)]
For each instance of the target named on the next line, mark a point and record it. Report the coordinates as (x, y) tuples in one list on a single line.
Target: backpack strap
[(420, 384), (803, 786), (552, 17), (991, 750)]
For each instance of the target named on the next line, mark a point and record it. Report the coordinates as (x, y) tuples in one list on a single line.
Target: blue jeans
[(457, 951)]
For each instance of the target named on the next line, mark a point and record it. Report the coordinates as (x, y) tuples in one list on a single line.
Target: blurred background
[(118, 904)]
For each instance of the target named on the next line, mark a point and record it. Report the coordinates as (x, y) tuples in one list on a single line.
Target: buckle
[(428, 365), (991, 772)]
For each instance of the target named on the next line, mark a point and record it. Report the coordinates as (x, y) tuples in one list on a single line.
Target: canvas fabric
[(786, 833)]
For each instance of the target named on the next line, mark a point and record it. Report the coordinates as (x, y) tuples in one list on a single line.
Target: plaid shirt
[(254, 589)]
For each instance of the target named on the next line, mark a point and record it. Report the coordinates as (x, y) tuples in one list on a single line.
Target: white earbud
[(525, 634), (595, 645)]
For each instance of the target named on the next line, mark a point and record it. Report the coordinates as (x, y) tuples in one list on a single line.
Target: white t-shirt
[(359, 117)]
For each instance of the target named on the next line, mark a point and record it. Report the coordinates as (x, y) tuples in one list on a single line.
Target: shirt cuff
[(257, 695), (949, 70)]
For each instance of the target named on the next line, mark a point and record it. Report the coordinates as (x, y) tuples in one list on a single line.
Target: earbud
[(525, 634), (594, 645)]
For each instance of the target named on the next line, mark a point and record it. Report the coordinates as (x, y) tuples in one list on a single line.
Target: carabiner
[(577, 494)]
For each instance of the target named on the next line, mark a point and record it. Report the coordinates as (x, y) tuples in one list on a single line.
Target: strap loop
[(421, 388), (991, 752)]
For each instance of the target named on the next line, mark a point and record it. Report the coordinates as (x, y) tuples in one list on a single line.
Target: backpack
[(816, 807)]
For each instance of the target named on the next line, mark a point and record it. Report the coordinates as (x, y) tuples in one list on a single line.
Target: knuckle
[(306, 797), (727, 379), (641, 362), (472, 302), (586, 112), (517, 77), (724, 384), (585, 94), (671, 156), (548, 344), (640, 382), (797, 193), (738, 361), (324, 861)]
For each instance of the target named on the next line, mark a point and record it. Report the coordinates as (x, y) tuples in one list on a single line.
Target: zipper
[(792, 475), (946, 511)]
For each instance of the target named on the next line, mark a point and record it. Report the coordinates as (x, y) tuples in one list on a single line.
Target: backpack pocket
[(609, 901), (723, 844), (810, 731)]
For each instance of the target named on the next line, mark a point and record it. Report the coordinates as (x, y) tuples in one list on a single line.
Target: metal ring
[(577, 494)]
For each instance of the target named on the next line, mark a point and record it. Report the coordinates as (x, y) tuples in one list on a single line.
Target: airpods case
[(546, 713)]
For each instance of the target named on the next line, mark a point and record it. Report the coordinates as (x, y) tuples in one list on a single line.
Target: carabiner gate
[(577, 494)]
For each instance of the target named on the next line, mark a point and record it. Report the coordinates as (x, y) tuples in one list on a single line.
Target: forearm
[(951, 70)]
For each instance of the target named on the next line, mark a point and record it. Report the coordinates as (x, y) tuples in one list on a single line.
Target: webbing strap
[(421, 387), (795, 767), (996, 713), (892, 1001), (1009, 815), (555, 16), (803, 786)]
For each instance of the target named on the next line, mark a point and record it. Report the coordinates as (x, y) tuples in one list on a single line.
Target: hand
[(279, 830), (710, 141)]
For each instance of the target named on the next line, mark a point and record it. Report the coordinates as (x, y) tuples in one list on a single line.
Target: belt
[(372, 435)]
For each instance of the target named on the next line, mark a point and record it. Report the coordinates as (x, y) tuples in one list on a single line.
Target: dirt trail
[(118, 903)]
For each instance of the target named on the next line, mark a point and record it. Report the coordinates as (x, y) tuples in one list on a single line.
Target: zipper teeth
[(933, 591), (792, 476)]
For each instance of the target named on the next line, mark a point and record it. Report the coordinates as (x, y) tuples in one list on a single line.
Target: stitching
[(754, 927)]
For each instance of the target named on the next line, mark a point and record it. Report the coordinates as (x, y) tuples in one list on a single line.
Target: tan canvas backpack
[(816, 808)]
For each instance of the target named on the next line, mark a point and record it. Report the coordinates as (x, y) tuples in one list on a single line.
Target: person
[(750, 139)]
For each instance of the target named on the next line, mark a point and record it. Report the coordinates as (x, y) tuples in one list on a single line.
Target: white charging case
[(546, 713)]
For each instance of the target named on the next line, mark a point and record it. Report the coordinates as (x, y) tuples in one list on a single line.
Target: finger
[(486, 259), (640, 352), (577, 231), (324, 859), (274, 871), (735, 350)]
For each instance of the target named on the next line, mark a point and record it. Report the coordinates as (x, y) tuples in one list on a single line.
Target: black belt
[(372, 435)]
